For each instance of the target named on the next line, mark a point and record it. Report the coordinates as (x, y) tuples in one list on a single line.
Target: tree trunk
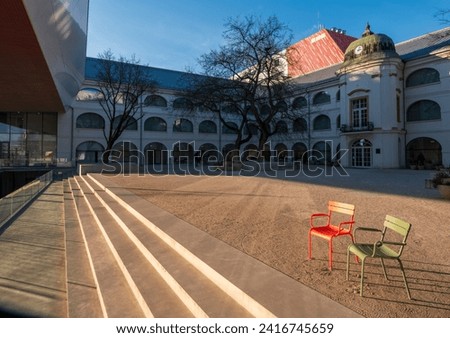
[(263, 137), (107, 152)]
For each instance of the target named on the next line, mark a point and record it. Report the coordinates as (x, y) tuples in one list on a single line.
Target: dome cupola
[(370, 46)]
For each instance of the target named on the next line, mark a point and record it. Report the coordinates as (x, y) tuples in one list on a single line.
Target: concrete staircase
[(134, 272), (128, 258)]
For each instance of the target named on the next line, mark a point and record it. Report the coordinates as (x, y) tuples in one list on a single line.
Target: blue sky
[(173, 34)]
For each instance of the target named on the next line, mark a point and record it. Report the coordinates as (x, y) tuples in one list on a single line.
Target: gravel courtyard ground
[(267, 217)]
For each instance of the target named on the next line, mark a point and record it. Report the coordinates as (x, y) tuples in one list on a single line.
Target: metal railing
[(14, 202), (349, 129)]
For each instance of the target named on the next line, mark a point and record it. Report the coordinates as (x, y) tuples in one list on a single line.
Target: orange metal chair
[(337, 222)]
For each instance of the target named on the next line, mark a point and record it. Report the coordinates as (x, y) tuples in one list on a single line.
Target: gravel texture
[(267, 217)]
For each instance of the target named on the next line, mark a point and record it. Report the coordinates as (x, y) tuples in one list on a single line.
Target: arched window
[(156, 153), (423, 110), (89, 152), (250, 152), (182, 126), (131, 124), (230, 128), (422, 76), (281, 151), (183, 152), (321, 153), (299, 103), (299, 149), (281, 107), (321, 98), (155, 101), (155, 124), (362, 153), (90, 121), (426, 150), (207, 127), (299, 125), (183, 103), (208, 153), (125, 152), (265, 111), (229, 151), (322, 122), (127, 97), (338, 122), (281, 127), (251, 112), (89, 94)]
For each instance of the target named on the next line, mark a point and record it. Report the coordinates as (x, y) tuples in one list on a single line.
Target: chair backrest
[(399, 226), (340, 212), (343, 208)]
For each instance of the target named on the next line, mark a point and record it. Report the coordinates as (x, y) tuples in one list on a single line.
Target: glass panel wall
[(27, 139)]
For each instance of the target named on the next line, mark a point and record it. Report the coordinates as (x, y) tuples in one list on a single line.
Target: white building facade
[(387, 105)]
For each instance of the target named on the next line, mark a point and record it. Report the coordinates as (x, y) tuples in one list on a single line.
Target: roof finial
[(367, 32)]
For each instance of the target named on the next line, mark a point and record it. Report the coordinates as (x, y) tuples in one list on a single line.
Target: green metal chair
[(382, 249)]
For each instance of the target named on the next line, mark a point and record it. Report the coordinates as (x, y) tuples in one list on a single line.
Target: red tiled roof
[(322, 49)]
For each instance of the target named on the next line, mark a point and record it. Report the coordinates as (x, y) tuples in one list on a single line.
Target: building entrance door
[(362, 154)]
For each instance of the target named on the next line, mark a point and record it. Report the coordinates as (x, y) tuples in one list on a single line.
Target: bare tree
[(247, 77), (121, 82)]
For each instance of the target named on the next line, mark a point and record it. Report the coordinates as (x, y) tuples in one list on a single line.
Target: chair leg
[(384, 269), (362, 277), (404, 278), (356, 259), (348, 264), (353, 241), (330, 254), (309, 246)]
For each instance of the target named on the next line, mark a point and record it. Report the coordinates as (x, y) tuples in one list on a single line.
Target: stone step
[(152, 291), (82, 293), (209, 297), (116, 297)]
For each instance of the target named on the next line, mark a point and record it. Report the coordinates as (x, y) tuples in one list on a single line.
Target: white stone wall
[(381, 82), (438, 130)]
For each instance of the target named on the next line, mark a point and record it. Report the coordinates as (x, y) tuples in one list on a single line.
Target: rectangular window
[(34, 147), (4, 147), (398, 110), (18, 123), (359, 114), (34, 123)]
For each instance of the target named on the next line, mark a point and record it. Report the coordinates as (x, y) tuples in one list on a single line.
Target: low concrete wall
[(127, 168)]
